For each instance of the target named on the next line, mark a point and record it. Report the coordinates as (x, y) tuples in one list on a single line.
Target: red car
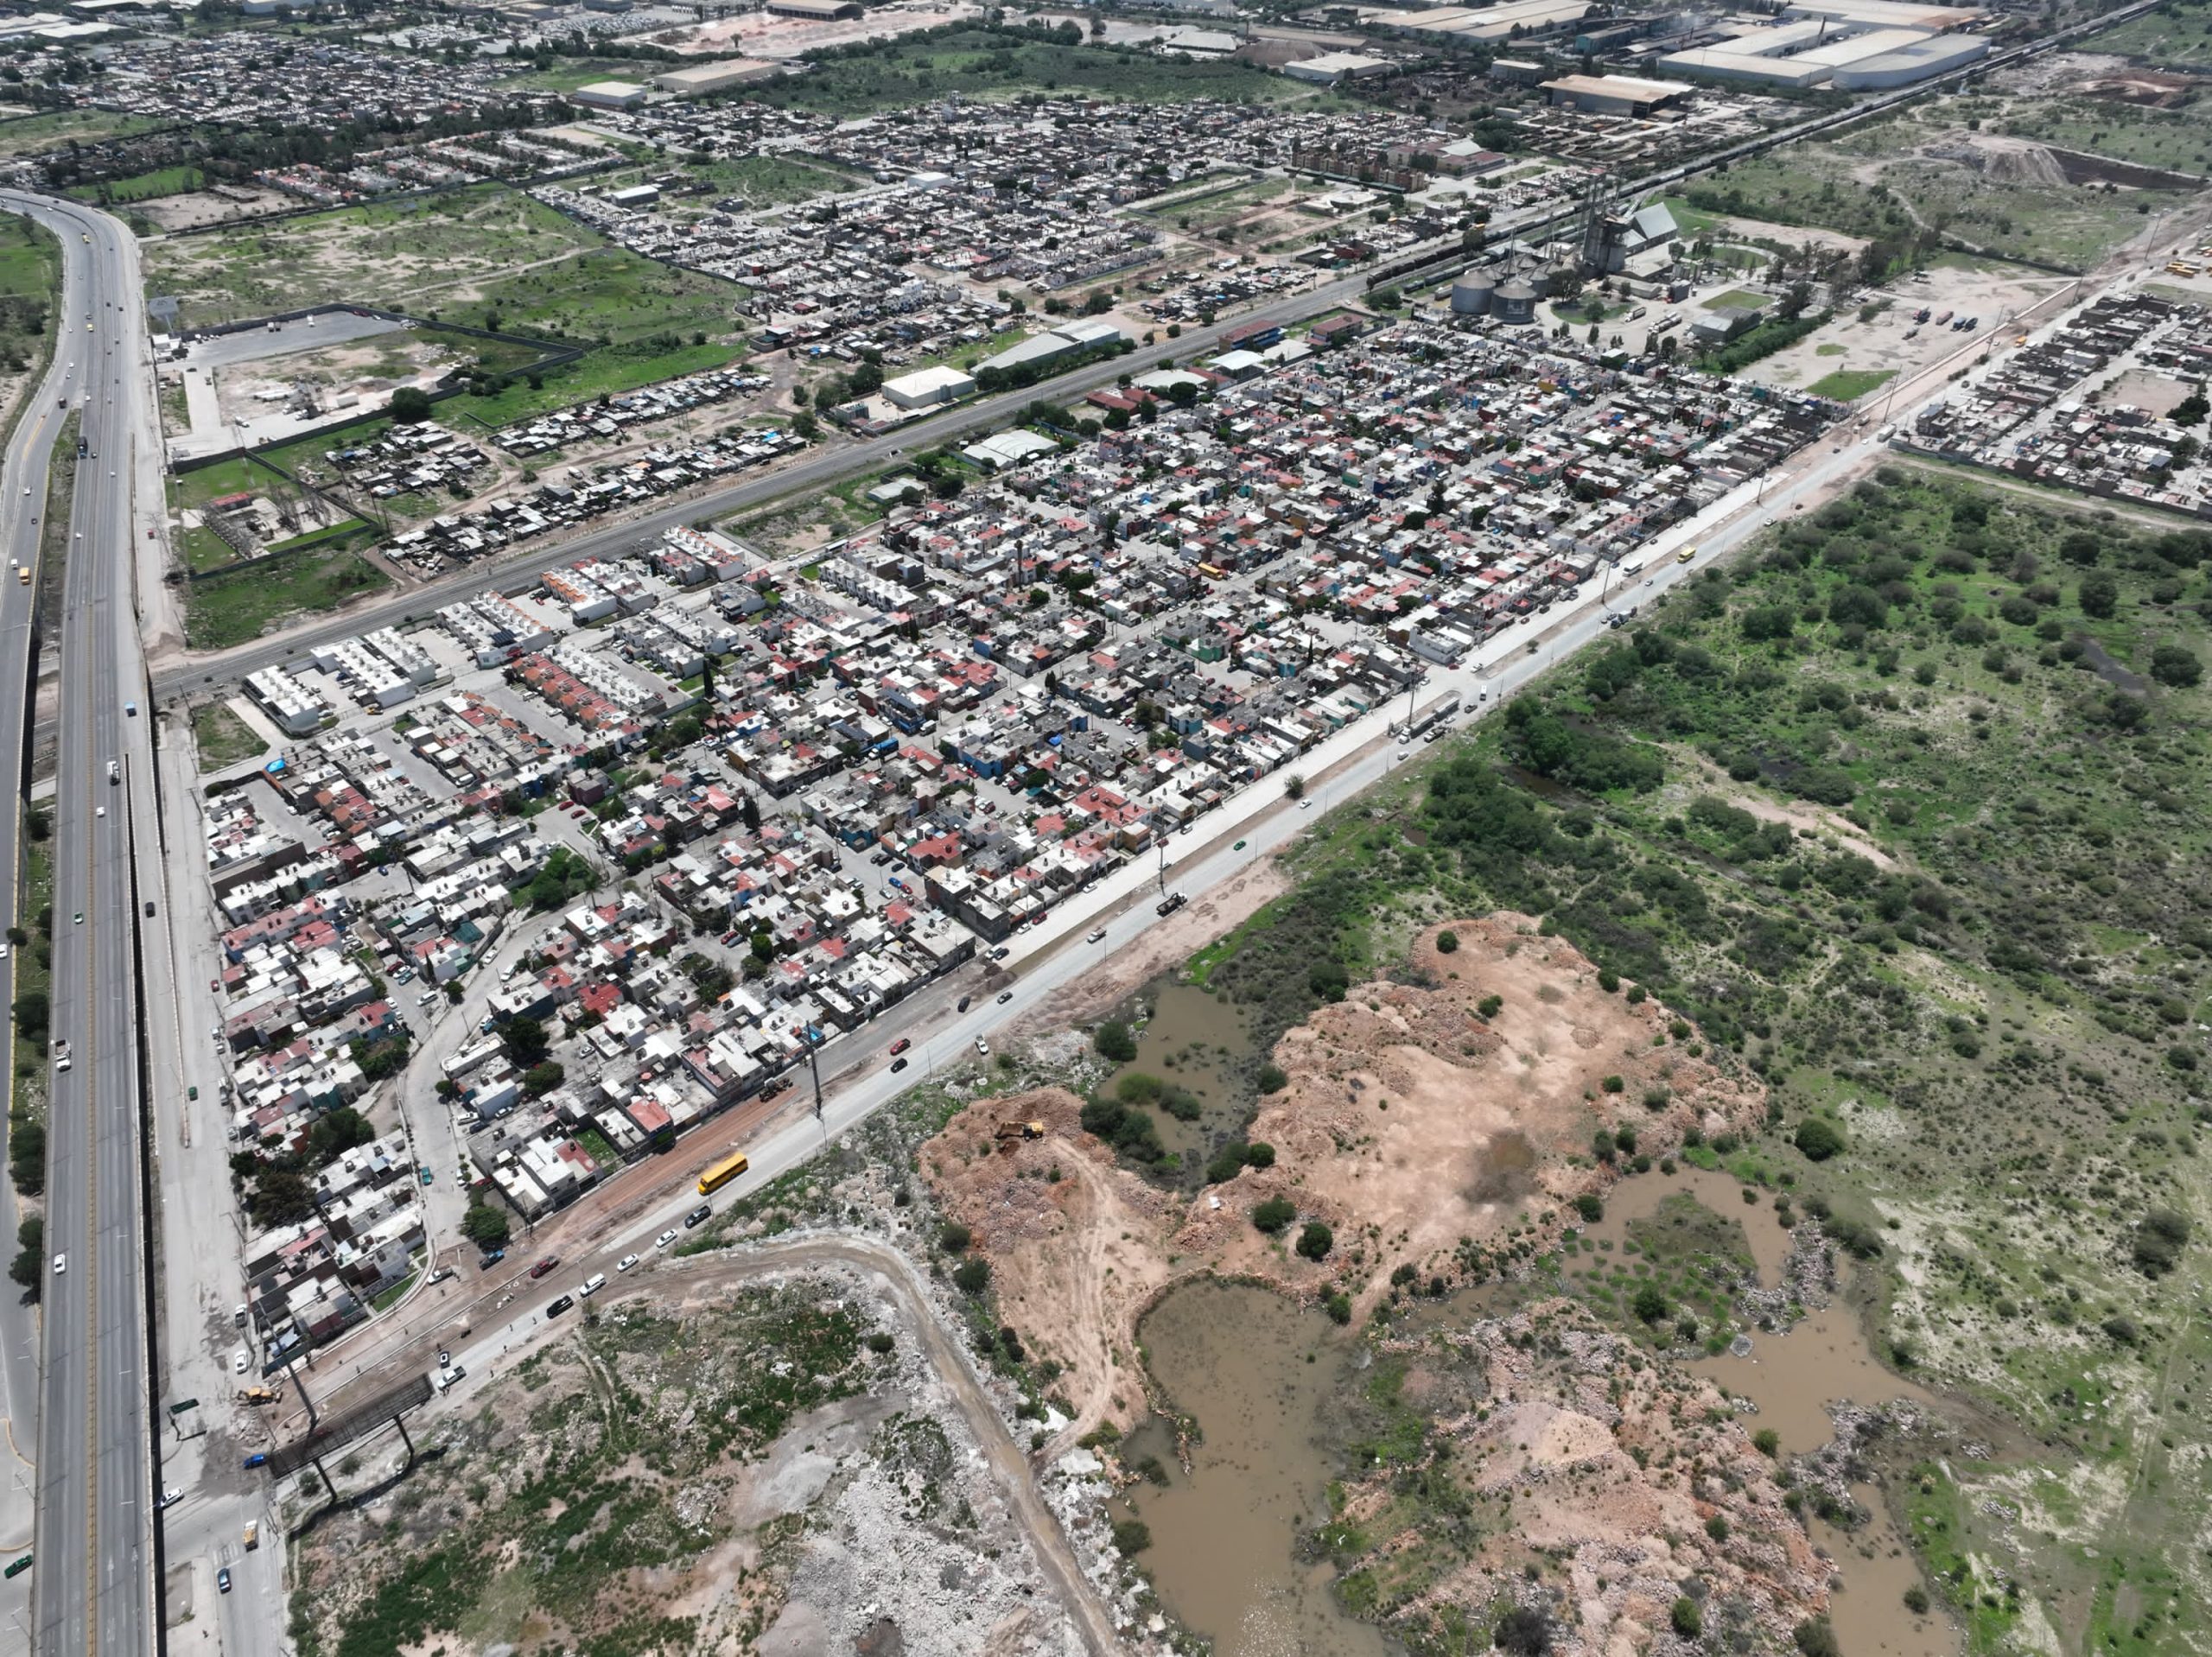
[(900, 1046), (544, 1266)]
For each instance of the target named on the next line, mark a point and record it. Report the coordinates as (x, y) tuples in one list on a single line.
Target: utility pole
[(814, 1070)]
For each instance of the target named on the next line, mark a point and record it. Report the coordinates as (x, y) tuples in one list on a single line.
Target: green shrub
[(1272, 1079), (972, 1275), (1113, 1040), (1315, 1240), (1273, 1214), (1818, 1139), (1590, 1207), (1685, 1617), (954, 1238), (1448, 942)]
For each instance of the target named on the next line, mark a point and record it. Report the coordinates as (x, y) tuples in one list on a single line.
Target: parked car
[(665, 1238), (963, 1007), (491, 1257), (1004, 996), (223, 1577), (544, 1266), (626, 1262), (900, 1045), (699, 1215), (897, 1065), (983, 1048), (259, 1458), (559, 1303)]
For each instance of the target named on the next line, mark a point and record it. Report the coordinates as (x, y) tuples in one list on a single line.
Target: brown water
[(1254, 1371), (1195, 1042), (1792, 1378)]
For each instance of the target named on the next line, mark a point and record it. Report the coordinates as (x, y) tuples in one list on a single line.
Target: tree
[(1293, 786), (410, 405), (954, 1238), (2172, 666), (32, 1012), (542, 1078), (485, 1226), (2160, 1236), (1523, 1631), (1273, 1214), (1272, 1078), (1650, 1304), (1815, 1638), (1448, 942), (1112, 1041), (526, 1041), (1818, 1138), (1315, 1240), (2099, 595), (335, 1133), (972, 1276), (29, 1269), (1131, 1536)]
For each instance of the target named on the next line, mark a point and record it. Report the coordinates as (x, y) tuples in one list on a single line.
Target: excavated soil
[(1420, 1131)]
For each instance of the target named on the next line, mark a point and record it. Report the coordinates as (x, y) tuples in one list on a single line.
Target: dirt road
[(902, 1290)]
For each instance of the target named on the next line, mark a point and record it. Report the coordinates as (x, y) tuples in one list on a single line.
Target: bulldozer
[(260, 1394), (1007, 1132)]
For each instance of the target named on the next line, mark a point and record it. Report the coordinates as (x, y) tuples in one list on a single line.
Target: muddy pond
[(1792, 1378), (1204, 1046), (1257, 1374), (1254, 1371)]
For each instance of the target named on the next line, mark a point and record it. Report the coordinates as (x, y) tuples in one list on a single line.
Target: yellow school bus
[(721, 1174)]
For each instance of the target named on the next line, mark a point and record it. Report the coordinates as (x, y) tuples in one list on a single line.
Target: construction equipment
[(261, 1394), (1008, 1131)]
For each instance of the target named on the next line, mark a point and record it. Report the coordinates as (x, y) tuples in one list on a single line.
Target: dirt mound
[(1424, 1126), (1608, 1471)]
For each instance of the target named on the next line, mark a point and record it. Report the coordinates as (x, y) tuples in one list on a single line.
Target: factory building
[(816, 11), (1615, 94), (1846, 43), (1486, 23), (927, 387), (609, 95), (700, 79), (1332, 66)]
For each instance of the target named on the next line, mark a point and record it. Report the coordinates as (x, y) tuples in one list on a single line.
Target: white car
[(60, 1264), (983, 1048), (626, 1262), (240, 1360), (1096, 936), (665, 1238)]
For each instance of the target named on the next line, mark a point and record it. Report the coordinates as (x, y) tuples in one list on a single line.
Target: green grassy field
[(1828, 184), (144, 187), (977, 62), (229, 610), (30, 278), (1849, 384), (2174, 139), (1907, 808), (29, 135), (2179, 34)]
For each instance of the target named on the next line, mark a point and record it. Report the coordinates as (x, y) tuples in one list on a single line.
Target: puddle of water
[(1193, 1042), (1236, 1358), (1792, 1378)]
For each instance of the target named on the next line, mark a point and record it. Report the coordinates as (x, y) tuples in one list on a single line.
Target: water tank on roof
[(1515, 301), (1470, 295)]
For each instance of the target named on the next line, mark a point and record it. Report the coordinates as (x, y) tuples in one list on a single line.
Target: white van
[(593, 1284)]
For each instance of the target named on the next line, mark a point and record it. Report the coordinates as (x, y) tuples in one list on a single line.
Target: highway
[(92, 1586), (23, 487)]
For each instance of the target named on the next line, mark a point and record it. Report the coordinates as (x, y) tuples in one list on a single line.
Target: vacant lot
[(487, 258), (1907, 179), (975, 61), (2180, 34), (31, 135), (229, 610), (1905, 809)]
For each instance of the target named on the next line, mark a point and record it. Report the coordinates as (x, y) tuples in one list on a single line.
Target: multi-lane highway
[(93, 1584)]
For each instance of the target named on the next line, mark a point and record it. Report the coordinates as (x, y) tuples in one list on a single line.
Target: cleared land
[(485, 257), (31, 135), (975, 62), (226, 610), (1903, 813), (1911, 178)]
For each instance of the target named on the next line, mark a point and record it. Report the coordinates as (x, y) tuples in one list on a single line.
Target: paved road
[(92, 1586), (23, 490)]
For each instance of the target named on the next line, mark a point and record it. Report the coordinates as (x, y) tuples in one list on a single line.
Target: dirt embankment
[(1421, 1128), (1612, 1469)]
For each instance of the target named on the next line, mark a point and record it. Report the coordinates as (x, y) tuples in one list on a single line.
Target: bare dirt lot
[(1421, 1125), (1893, 341)]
